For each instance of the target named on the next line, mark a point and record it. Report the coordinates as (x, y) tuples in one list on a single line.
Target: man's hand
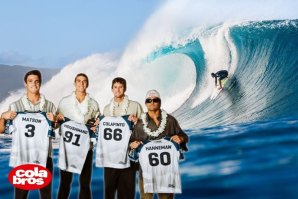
[(178, 139), (96, 123), (51, 116), (59, 117), (9, 115), (135, 144), (133, 118)]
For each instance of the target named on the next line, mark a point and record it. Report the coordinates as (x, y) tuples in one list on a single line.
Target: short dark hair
[(119, 80), (33, 72), (84, 75)]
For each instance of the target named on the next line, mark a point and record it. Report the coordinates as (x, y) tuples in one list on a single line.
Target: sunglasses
[(155, 100)]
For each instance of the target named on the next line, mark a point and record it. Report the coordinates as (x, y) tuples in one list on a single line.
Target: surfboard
[(216, 91)]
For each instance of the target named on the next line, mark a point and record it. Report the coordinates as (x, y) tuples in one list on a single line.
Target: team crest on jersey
[(30, 177), (171, 185)]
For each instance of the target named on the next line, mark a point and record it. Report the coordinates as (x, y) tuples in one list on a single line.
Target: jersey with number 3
[(30, 139), (74, 145), (159, 161), (112, 144)]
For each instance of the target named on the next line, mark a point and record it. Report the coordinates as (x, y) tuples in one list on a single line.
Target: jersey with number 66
[(112, 144), (159, 161), (30, 138), (74, 145)]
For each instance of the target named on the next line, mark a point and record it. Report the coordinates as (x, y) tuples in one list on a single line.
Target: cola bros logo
[(29, 177)]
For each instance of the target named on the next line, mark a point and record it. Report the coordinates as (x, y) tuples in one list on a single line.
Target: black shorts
[(222, 75)]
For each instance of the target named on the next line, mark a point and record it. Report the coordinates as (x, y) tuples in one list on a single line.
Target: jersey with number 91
[(74, 145), (30, 138), (113, 139)]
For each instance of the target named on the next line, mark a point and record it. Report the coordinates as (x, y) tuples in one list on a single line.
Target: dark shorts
[(222, 75)]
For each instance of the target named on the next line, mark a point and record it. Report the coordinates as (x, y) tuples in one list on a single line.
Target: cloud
[(16, 58)]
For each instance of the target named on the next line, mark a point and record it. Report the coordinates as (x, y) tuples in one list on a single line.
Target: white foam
[(174, 23)]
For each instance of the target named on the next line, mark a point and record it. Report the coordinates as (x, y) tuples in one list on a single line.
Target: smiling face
[(81, 84), (32, 84), (153, 103), (118, 90)]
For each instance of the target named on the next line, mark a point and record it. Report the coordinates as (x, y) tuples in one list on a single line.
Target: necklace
[(124, 106), (84, 107), (161, 127), (28, 106)]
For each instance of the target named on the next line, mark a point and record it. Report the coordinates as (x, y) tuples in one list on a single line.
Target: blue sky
[(57, 32)]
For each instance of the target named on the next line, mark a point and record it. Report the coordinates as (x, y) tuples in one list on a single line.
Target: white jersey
[(74, 146), (159, 161), (30, 139), (112, 145)]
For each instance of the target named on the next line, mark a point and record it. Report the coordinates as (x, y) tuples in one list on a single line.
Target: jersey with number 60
[(30, 138), (112, 144), (159, 161), (74, 145)]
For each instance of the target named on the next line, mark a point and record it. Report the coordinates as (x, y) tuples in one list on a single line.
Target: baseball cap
[(152, 93)]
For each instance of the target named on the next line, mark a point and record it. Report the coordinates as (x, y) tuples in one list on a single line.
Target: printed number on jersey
[(30, 130), (163, 159), (115, 134), (68, 137)]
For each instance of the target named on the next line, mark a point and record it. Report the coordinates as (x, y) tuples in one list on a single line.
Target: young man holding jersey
[(154, 125), (122, 180), (32, 101), (81, 108)]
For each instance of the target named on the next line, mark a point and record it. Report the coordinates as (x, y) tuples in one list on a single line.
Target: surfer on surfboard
[(222, 74)]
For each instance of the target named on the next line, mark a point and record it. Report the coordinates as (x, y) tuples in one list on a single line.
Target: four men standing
[(81, 108)]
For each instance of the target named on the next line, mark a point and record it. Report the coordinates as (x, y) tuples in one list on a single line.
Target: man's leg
[(20, 193), (220, 79), (165, 195), (85, 177), (141, 187), (127, 183), (111, 177), (65, 182), (46, 192)]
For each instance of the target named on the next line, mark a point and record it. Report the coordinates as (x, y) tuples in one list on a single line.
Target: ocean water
[(252, 160), (244, 143)]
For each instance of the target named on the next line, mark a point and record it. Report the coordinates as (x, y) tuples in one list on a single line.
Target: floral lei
[(161, 127), (124, 106), (28, 106), (86, 105)]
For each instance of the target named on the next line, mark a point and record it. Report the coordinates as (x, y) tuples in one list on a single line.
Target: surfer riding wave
[(222, 74)]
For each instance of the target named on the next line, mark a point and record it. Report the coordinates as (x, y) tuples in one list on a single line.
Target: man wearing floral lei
[(32, 101), (81, 108), (154, 125), (121, 181)]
